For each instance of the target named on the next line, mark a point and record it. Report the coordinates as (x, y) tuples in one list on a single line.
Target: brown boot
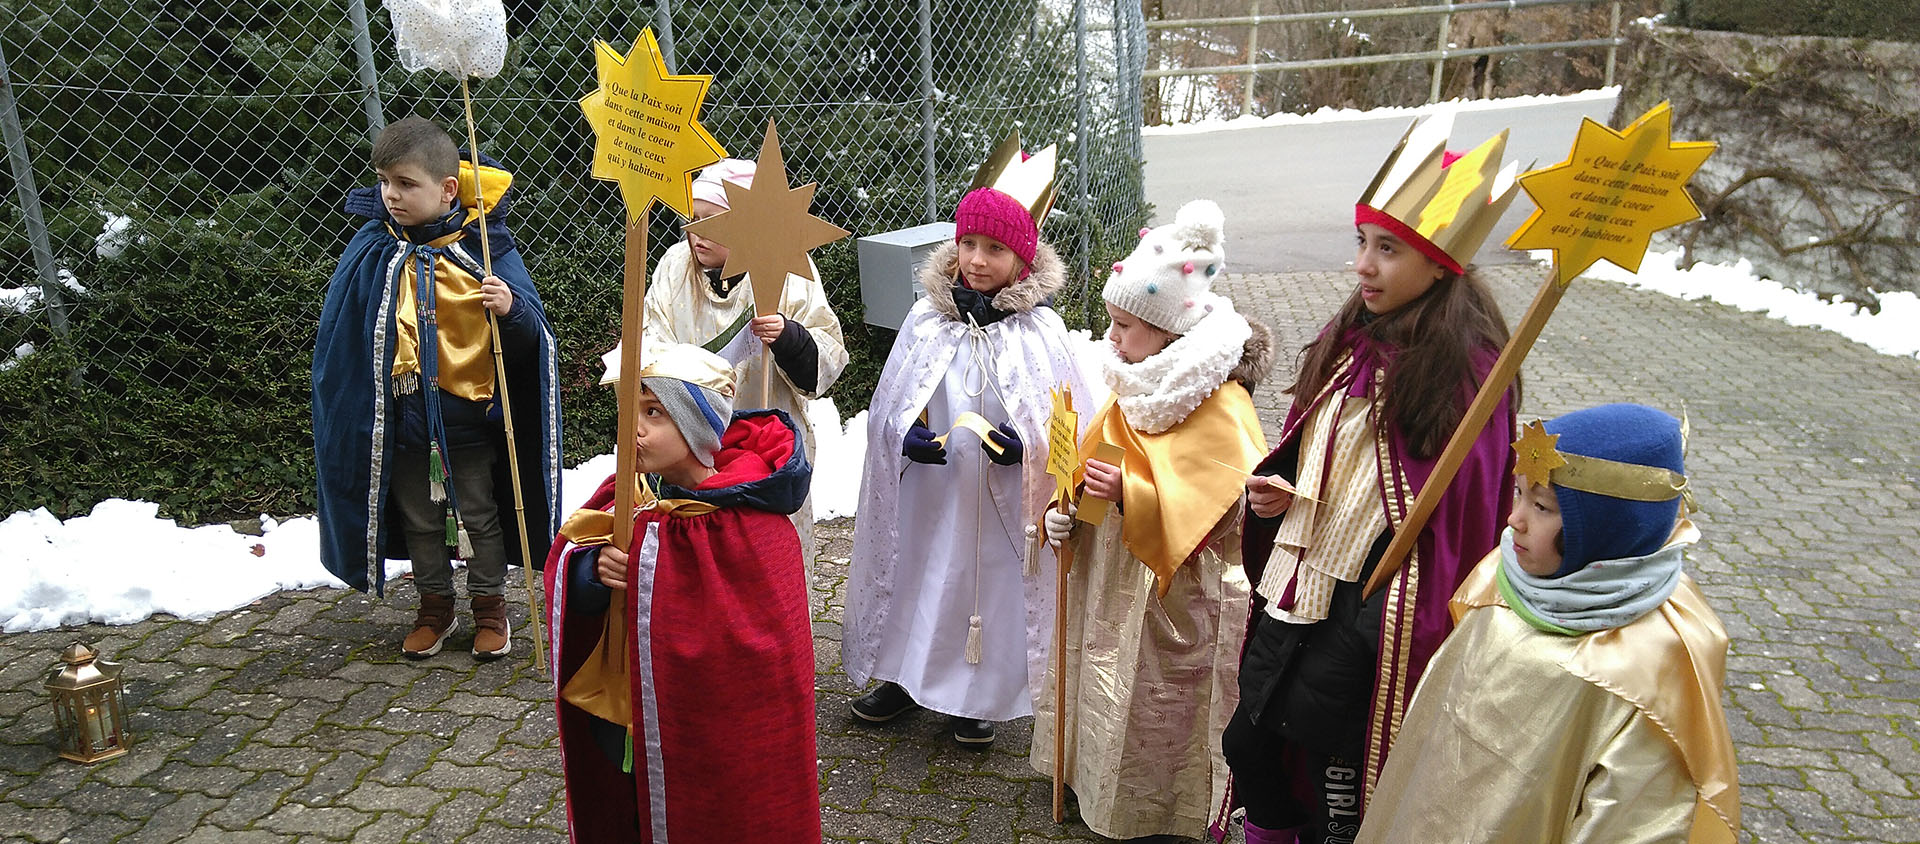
[(431, 626), (492, 637)]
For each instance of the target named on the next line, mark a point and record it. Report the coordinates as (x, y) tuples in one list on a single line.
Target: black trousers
[(1287, 786)]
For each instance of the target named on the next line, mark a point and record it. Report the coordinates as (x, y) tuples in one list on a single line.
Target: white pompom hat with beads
[(1168, 279)]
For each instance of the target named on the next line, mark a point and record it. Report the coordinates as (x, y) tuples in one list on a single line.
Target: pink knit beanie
[(1001, 217)]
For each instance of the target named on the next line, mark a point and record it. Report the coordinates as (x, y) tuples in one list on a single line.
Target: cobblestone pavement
[(295, 718)]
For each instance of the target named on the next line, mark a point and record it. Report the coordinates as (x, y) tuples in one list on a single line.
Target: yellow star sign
[(646, 128), (1063, 447), (767, 228), (1611, 194), (1536, 454)]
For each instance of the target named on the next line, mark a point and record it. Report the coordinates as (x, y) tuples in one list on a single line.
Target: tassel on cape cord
[(506, 406), (973, 621), (436, 475)]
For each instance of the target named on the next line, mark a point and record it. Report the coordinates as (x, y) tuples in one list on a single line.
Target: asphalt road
[(1288, 191)]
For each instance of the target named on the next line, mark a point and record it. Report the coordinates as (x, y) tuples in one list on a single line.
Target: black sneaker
[(971, 732), (886, 702)]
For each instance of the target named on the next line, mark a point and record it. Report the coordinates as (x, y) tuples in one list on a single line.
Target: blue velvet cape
[(355, 409)]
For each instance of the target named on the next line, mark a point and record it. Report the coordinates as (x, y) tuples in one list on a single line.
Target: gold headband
[(1537, 458)]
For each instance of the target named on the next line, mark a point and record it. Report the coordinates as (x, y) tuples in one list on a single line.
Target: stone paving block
[(38, 824), (406, 761), (291, 818), (215, 835), (865, 826), (104, 827), (488, 780), (455, 819), (526, 801), (262, 757), (389, 827), (416, 801), (180, 817), (263, 796), (333, 779), (216, 740), (177, 776)]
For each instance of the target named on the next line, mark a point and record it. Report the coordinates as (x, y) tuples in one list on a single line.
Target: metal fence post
[(1080, 143), (1446, 29), (1253, 56), (926, 108), (663, 31), (369, 80), (1613, 32), (24, 185)]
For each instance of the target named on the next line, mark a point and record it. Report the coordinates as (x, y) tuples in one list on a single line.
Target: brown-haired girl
[(1327, 670)]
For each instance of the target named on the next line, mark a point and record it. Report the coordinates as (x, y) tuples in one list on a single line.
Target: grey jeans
[(423, 522)]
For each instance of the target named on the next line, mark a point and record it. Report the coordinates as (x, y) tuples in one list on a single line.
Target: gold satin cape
[(1520, 735), (466, 341), (1175, 488)]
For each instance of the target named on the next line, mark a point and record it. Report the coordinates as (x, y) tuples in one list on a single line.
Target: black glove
[(1009, 441), (919, 446)]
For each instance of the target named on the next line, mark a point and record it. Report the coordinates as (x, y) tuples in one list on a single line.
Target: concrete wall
[(1817, 179)]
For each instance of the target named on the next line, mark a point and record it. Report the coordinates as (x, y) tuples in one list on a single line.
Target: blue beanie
[(1599, 527)]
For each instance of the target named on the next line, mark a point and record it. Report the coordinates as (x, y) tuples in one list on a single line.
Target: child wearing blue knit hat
[(1578, 699)]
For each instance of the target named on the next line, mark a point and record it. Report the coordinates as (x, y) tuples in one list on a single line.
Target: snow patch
[(1895, 330), (1333, 115)]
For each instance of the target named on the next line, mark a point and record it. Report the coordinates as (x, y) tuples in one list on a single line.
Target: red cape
[(722, 672)]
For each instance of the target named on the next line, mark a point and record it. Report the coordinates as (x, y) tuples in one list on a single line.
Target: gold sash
[(603, 685), (1176, 488)]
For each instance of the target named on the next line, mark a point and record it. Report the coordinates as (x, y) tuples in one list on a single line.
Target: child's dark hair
[(1434, 339), (420, 142)]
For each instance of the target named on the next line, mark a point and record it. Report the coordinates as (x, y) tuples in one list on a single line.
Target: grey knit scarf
[(1602, 595)]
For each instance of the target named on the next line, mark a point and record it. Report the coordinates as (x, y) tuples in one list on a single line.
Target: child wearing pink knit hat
[(948, 605)]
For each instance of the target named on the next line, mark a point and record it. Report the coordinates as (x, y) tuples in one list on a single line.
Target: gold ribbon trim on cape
[(1180, 482), (1670, 665)]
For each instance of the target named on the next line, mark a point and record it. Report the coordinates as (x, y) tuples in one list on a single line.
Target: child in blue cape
[(409, 438)]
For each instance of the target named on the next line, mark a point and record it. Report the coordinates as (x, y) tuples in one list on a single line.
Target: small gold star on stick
[(1536, 454)]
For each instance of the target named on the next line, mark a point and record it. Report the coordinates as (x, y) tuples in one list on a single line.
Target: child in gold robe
[(1579, 697)]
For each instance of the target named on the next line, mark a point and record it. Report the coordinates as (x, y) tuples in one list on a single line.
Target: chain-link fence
[(175, 170)]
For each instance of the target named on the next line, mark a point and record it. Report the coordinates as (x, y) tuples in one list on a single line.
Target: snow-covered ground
[(121, 563), (1329, 115)]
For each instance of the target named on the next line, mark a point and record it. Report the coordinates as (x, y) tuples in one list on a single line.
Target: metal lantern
[(88, 716)]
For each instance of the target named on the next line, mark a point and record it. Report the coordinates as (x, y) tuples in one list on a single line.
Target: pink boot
[(1256, 835)]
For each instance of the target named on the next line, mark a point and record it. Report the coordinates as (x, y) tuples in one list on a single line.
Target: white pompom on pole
[(468, 38)]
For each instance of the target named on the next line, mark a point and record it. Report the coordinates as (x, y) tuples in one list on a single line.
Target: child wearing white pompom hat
[(1157, 599)]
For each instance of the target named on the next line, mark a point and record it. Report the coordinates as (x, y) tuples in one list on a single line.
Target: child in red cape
[(661, 732)]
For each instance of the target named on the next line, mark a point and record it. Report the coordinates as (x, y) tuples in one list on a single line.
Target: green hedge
[(1886, 20), (183, 375)]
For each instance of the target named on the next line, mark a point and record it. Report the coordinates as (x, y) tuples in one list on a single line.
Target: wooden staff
[(506, 405), (632, 320), (1475, 420), (1064, 554)]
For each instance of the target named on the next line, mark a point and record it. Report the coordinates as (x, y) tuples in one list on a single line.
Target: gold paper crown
[(1029, 181), (1538, 458), (1454, 206)]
